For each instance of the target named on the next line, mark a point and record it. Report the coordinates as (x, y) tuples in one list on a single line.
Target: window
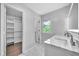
[(46, 26)]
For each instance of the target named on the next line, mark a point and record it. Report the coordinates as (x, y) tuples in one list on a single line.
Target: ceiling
[(43, 8)]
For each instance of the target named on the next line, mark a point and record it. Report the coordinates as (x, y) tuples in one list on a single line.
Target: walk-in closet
[(13, 31)]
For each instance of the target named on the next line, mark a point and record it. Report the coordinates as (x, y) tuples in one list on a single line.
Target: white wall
[(57, 18), (0, 29), (28, 26)]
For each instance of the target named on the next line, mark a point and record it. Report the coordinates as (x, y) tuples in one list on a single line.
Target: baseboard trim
[(28, 50)]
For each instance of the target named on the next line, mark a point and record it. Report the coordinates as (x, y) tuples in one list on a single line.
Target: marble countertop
[(73, 48), (74, 30)]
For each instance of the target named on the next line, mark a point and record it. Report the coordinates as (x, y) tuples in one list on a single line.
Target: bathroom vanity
[(68, 44), (60, 46), (52, 50)]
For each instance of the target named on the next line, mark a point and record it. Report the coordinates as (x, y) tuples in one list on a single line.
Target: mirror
[(72, 18)]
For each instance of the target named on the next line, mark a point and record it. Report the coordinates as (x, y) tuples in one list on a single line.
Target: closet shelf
[(10, 37), (17, 37), (13, 37), (13, 31), (10, 23), (10, 31), (10, 41), (15, 21), (17, 31), (10, 28), (19, 22)]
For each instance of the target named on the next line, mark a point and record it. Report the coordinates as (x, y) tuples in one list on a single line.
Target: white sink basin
[(60, 41), (63, 42)]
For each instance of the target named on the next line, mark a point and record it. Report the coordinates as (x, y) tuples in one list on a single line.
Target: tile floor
[(37, 50)]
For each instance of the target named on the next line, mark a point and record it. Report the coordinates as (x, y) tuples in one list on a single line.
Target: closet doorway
[(13, 31)]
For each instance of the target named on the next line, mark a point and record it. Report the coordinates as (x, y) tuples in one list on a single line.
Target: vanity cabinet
[(51, 50)]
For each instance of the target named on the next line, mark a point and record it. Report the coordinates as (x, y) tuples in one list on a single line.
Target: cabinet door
[(51, 50)]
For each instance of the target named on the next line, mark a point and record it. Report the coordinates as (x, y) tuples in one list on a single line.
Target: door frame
[(3, 19)]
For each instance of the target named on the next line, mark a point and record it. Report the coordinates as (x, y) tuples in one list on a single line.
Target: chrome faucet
[(67, 34)]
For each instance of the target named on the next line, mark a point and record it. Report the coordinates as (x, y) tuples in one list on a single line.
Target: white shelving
[(14, 29), (18, 29), (14, 25), (10, 30), (10, 40), (9, 21)]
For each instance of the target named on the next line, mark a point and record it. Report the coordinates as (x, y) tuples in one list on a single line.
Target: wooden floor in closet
[(14, 49)]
